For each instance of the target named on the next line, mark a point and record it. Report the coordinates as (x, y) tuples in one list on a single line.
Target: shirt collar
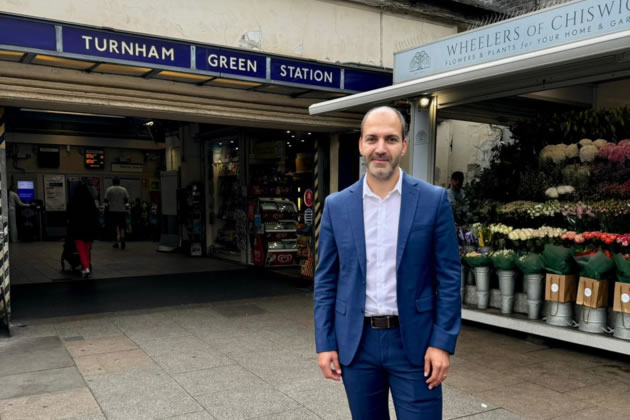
[(368, 192)]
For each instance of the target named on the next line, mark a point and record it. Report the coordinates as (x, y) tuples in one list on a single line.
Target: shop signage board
[(74, 41), (548, 28), (55, 192), (128, 167), (308, 198)]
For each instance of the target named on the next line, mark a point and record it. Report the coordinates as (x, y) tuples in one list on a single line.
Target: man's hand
[(436, 361), (327, 358)]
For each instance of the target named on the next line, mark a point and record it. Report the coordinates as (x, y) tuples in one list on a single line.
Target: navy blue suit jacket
[(427, 266)]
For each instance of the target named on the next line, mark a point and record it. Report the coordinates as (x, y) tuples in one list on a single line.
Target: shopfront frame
[(589, 60)]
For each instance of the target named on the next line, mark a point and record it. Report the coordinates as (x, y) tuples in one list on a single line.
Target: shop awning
[(587, 61)]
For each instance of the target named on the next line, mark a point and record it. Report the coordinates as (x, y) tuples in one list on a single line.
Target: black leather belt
[(381, 322)]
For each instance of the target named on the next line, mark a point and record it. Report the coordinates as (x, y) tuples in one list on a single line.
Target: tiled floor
[(40, 262), (255, 358)]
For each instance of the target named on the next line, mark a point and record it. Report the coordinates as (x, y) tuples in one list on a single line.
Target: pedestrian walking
[(116, 201), (387, 285), (83, 225)]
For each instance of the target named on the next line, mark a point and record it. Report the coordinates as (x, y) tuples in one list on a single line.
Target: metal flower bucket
[(507, 282), (622, 326), (559, 314), (482, 280), (533, 285), (593, 320)]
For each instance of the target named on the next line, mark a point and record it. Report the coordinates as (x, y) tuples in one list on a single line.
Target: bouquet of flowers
[(622, 257), (593, 260), (558, 259), (530, 263), (476, 259), (500, 234), (503, 259)]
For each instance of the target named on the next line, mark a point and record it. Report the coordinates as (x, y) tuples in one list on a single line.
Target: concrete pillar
[(422, 140)]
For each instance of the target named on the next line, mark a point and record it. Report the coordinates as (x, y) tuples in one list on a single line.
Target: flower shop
[(544, 223)]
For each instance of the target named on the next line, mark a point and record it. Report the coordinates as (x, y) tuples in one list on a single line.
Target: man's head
[(116, 181), (457, 180), (383, 141)]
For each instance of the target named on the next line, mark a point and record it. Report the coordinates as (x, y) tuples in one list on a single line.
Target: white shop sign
[(548, 28)]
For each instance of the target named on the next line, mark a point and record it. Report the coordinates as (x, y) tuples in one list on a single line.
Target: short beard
[(384, 174)]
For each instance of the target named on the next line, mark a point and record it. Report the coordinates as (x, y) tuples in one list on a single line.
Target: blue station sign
[(305, 73), (231, 62), (73, 41), (125, 47), (27, 33)]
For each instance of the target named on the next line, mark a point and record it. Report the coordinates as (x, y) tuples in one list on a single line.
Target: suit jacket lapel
[(408, 206), (355, 215)]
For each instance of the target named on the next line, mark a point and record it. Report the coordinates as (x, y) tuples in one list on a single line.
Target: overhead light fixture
[(425, 102), (302, 140), (149, 123), (292, 136), (288, 131), (288, 142), (309, 133), (83, 114)]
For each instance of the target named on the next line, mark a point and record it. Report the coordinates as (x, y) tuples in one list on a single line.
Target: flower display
[(501, 228), (555, 192), (618, 153), (555, 152), (503, 259), (477, 259), (571, 151), (599, 143), (588, 153), (585, 142)]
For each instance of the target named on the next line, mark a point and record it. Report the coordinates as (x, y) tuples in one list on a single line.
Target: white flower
[(551, 193), (588, 153), (599, 143), (585, 142), (571, 151)]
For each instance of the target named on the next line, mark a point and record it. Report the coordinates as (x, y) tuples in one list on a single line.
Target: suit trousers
[(379, 365)]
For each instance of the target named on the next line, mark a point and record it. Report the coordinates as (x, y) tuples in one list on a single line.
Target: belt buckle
[(376, 322)]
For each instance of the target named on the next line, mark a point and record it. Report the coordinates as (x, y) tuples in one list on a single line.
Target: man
[(116, 199), (455, 192), (14, 203), (387, 286)]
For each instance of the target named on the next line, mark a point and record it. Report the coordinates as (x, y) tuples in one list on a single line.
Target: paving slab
[(15, 363), (78, 348), (43, 381), (217, 379), (19, 345), (459, 404), (559, 376), (141, 394), (197, 415), (116, 362), (302, 414), (470, 377), (88, 328), (164, 345), (496, 414), (328, 401), (50, 406), (246, 402), (612, 395), (533, 401)]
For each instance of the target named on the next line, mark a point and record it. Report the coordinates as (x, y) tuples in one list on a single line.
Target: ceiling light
[(149, 123), (425, 102)]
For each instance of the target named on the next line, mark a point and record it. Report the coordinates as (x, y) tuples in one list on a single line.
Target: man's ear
[(404, 150)]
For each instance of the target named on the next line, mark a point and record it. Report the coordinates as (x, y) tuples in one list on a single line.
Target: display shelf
[(540, 328)]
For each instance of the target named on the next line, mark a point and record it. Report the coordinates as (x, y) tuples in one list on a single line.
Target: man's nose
[(380, 146)]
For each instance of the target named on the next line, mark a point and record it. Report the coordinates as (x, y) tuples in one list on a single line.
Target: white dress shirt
[(380, 221)]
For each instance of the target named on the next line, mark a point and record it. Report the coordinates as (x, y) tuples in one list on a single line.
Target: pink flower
[(579, 239)]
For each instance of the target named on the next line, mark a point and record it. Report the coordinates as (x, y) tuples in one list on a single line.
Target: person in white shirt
[(387, 302), (14, 203), (116, 201)]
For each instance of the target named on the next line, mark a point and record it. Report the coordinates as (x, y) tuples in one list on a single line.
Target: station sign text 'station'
[(549, 28)]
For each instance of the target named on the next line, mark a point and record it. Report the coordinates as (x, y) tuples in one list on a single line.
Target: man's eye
[(392, 139)]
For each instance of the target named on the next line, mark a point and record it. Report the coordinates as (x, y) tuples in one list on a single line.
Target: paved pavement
[(254, 358), (40, 262)]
